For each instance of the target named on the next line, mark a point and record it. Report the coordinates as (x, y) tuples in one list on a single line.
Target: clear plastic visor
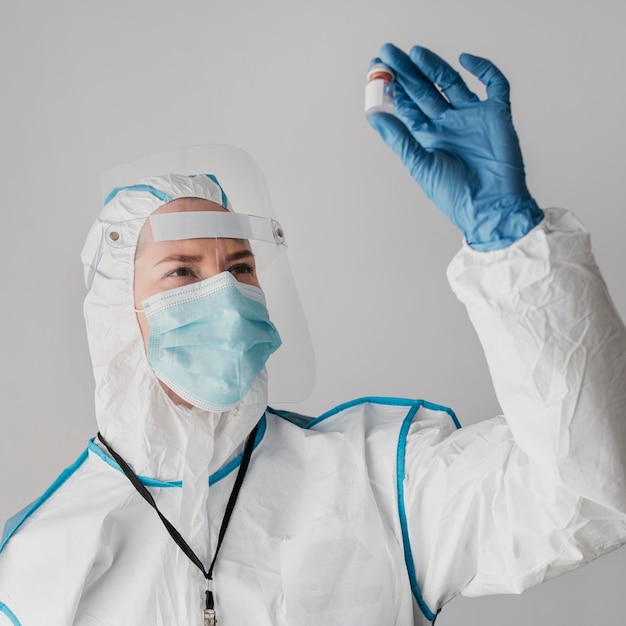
[(200, 243)]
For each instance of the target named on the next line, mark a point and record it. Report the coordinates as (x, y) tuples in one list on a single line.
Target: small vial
[(380, 93)]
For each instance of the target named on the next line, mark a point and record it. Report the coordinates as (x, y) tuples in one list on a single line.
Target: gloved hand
[(463, 152)]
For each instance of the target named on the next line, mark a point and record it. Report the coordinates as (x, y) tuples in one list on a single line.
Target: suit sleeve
[(512, 501)]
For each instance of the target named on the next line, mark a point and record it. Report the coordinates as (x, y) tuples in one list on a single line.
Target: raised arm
[(513, 500)]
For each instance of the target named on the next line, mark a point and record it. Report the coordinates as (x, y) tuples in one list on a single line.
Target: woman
[(379, 511)]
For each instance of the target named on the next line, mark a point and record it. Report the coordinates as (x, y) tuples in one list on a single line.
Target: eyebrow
[(196, 258)]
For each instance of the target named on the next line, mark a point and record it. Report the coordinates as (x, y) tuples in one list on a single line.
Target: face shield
[(214, 222)]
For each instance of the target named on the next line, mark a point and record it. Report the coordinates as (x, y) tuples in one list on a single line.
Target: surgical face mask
[(209, 340)]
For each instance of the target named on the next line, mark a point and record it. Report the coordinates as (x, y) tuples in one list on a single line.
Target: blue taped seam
[(155, 482), (236, 462), (309, 422), (157, 193), (439, 407), (365, 400), (28, 511), (400, 470), (217, 182), (4, 609), (149, 482), (295, 418)]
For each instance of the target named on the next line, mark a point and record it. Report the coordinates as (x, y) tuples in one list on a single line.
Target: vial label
[(379, 97)]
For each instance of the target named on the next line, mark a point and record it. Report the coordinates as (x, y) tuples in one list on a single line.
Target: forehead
[(180, 205), (197, 249)]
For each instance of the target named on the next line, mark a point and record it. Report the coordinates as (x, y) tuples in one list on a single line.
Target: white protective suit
[(379, 511)]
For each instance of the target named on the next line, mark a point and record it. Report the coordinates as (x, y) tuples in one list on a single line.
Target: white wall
[(87, 86)]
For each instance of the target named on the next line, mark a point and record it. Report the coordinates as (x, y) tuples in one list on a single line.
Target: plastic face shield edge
[(250, 224)]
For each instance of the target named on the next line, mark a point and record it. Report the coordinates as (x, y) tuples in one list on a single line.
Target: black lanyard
[(209, 609)]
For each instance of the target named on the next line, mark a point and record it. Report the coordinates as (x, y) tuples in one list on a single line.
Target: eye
[(181, 272), (242, 268)]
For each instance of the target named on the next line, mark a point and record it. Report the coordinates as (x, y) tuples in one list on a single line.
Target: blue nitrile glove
[(463, 152)]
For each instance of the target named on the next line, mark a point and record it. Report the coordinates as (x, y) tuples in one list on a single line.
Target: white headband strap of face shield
[(201, 224)]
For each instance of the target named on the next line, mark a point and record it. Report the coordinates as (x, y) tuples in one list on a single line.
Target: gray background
[(88, 86)]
